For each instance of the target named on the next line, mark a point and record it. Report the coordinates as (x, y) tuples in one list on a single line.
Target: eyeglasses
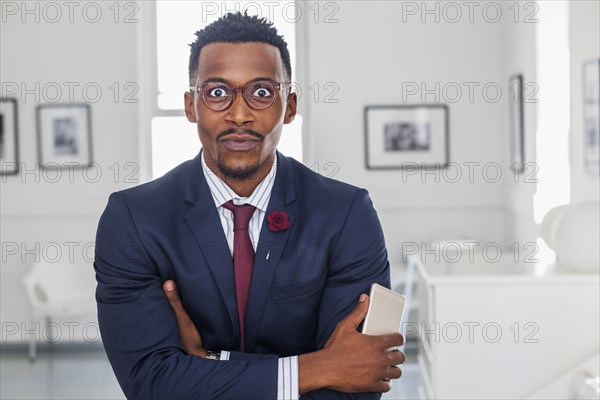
[(219, 96)]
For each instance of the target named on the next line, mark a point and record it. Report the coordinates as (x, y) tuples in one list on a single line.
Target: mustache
[(232, 131)]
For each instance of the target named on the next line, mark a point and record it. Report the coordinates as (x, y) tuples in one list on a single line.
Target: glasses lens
[(216, 95), (260, 95)]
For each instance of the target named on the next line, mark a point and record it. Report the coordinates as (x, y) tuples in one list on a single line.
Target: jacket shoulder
[(167, 185)]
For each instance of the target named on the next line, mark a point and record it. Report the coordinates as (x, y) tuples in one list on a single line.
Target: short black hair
[(238, 28)]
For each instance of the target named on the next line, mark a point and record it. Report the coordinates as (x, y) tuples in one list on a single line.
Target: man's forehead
[(240, 62)]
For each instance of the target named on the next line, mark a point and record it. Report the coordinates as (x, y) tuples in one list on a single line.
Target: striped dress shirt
[(287, 379)]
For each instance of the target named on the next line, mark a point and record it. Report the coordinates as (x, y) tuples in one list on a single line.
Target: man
[(279, 318)]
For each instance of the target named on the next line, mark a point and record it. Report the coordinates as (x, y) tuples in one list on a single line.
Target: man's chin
[(239, 172)]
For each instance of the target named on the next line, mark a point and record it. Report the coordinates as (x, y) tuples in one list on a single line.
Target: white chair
[(59, 290)]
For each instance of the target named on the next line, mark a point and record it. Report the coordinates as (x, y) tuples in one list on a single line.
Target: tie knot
[(241, 214)]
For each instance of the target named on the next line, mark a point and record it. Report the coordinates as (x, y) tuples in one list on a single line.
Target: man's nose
[(239, 113)]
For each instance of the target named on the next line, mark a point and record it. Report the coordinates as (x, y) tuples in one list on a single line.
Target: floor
[(59, 373), (84, 373)]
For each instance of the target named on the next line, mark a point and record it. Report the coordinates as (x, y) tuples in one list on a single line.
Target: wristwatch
[(213, 355)]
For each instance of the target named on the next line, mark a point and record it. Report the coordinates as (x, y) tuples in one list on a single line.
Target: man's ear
[(190, 107), (291, 108)]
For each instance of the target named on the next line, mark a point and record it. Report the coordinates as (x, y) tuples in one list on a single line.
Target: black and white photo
[(517, 123), (591, 107), (65, 140), (406, 136), (64, 135), (9, 140)]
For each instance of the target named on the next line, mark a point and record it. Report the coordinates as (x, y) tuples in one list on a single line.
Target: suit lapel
[(271, 246), (203, 220)]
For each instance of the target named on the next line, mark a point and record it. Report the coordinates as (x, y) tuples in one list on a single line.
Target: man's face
[(240, 140)]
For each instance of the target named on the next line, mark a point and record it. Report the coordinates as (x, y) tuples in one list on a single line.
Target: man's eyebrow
[(215, 79)]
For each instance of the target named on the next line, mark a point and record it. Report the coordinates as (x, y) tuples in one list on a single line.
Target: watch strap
[(213, 355)]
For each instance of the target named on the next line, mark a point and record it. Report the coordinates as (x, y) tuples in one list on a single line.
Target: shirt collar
[(222, 193)]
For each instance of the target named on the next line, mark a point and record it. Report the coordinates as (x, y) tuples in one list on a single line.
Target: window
[(552, 148), (553, 188)]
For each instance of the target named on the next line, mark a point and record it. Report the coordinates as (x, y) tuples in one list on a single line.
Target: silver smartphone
[(385, 311)]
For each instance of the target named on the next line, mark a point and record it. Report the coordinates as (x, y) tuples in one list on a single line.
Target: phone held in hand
[(385, 311)]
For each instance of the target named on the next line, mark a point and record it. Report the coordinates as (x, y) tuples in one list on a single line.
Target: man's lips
[(239, 143), (240, 134)]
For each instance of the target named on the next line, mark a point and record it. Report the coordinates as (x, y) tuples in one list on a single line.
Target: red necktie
[(243, 258)]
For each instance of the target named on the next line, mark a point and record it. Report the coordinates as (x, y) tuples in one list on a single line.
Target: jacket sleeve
[(139, 331), (357, 260)]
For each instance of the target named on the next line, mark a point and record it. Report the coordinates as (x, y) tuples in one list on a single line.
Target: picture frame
[(406, 136), (9, 137), (64, 135), (517, 123), (591, 116)]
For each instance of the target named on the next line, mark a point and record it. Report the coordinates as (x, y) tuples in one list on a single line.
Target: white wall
[(56, 213), (519, 49), (369, 53), (585, 46)]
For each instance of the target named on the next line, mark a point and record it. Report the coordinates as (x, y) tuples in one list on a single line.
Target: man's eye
[(217, 92), (262, 92)]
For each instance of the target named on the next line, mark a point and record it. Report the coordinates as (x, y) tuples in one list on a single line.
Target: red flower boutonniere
[(278, 221)]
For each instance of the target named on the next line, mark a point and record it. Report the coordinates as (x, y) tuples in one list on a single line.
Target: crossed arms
[(141, 334), (349, 362)]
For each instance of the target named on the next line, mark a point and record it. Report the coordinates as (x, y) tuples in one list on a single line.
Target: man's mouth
[(242, 143), (239, 140)]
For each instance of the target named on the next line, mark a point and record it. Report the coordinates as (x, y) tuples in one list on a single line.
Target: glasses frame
[(277, 85)]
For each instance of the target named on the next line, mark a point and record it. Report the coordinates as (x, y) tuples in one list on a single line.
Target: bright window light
[(174, 140), (552, 138), (553, 188)]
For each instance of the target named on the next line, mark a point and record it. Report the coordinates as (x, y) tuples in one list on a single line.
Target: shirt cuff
[(224, 355), (287, 379)]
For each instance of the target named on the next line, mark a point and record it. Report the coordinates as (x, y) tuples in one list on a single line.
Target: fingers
[(383, 386), (188, 333), (357, 315), (394, 372), (392, 340), (170, 290), (397, 357)]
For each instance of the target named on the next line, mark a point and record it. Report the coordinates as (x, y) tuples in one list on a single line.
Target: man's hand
[(190, 337), (350, 361)]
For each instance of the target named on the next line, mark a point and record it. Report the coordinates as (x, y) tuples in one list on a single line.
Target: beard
[(238, 172)]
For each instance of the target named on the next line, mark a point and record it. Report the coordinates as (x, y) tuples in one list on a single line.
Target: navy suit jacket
[(170, 229)]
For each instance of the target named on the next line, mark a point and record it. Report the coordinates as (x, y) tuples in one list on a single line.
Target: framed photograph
[(591, 111), (404, 136), (9, 137), (64, 135), (517, 123)]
